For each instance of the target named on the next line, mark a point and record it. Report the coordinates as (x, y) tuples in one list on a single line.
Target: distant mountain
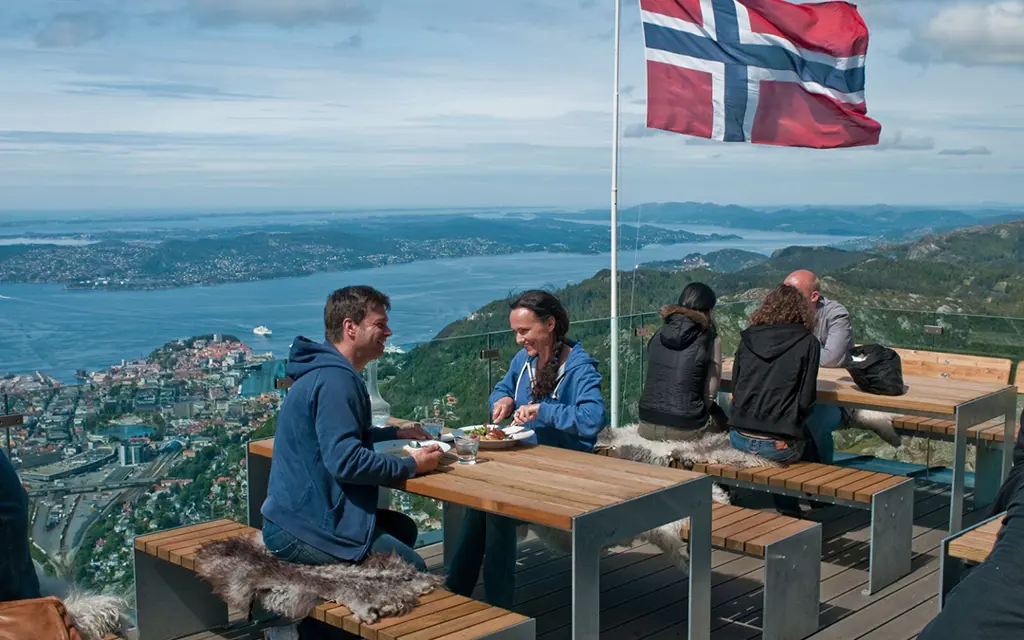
[(724, 260), (885, 222)]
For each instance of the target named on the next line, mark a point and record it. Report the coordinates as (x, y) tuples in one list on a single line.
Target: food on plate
[(487, 432)]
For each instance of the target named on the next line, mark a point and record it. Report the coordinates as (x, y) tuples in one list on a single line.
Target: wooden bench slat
[(797, 481), (815, 485), (160, 548), (969, 549), (779, 479), (719, 538), (866, 493), (739, 540), (432, 620), (457, 624), (320, 612), (759, 545), (487, 628), (371, 631), (849, 491), (830, 489), (763, 475), (141, 541)]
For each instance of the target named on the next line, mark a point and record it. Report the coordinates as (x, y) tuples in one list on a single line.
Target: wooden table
[(966, 403), (598, 500)]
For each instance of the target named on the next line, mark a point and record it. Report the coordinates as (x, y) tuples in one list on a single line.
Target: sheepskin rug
[(242, 569)]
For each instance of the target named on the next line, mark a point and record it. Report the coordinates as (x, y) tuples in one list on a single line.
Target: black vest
[(680, 355)]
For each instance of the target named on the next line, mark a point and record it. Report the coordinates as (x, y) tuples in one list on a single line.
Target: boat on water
[(262, 331)]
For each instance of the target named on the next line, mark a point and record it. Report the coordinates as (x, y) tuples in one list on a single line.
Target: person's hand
[(427, 458), (526, 413), (502, 409), (415, 432)]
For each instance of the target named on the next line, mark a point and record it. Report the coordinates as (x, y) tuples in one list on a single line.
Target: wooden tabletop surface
[(544, 485), (925, 394)]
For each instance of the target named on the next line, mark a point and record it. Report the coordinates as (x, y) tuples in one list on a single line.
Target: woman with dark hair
[(685, 366), (775, 379), (552, 387)]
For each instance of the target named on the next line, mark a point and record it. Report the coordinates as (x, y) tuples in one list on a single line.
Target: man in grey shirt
[(833, 330), (832, 325)]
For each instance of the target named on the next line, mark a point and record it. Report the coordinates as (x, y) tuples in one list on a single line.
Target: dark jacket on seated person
[(681, 360), (18, 580), (987, 604), (774, 378), (325, 476), (1016, 476)]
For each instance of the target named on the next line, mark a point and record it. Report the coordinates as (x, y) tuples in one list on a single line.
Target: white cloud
[(972, 34)]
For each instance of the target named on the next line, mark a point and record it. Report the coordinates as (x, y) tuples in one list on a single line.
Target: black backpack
[(876, 369)]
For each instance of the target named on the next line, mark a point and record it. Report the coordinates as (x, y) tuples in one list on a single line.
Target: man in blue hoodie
[(321, 504)]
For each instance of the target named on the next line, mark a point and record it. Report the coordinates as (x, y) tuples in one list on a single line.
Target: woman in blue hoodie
[(552, 387)]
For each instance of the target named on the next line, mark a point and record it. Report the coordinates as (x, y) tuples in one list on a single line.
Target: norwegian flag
[(758, 71)]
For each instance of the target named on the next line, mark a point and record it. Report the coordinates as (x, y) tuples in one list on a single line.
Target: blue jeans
[(395, 533), (774, 450), (489, 540), (823, 420)]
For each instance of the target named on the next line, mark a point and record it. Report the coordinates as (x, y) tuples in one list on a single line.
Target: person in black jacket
[(685, 367), (18, 580), (774, 379)]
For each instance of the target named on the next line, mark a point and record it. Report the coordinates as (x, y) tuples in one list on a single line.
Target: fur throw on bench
[(627, 444), (241, 570)]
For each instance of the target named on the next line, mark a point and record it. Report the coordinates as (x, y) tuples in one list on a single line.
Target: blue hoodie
[(325, 473), (573, 415)]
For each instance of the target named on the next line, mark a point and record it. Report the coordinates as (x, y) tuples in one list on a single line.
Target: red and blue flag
[(758, 71)]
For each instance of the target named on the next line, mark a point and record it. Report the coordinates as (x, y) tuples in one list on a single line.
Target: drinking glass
[(434, 427), (466, 447)]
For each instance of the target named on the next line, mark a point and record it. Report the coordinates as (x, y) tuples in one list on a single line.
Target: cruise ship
[(262, 331)]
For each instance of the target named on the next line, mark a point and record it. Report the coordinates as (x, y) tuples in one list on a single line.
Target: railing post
[(490, 384), (7, 411)]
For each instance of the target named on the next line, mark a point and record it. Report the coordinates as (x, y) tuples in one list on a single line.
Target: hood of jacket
[(306, 356), (682, 326), (769, 341)]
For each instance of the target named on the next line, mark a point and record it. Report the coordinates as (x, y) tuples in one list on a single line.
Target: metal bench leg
[(792, 589), (257, 478), (988, 475), (951, 571), (892, 529), (173, 601)]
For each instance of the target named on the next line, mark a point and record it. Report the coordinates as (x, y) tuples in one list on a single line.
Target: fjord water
[(44, 327)]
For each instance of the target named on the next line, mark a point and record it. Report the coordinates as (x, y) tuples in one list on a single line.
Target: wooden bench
[(791, 550), (889, 498), (173, 601), (968, 547), (987, 436)]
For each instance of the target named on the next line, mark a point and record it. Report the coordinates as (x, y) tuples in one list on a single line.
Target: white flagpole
[(615, 229)]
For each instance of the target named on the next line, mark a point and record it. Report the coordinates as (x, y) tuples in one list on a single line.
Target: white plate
[(405, 447), (515, 433)]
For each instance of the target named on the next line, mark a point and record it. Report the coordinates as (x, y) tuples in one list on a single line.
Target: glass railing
[(146, 446)]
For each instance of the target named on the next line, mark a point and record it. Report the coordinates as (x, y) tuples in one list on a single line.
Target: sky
[(233, 104)]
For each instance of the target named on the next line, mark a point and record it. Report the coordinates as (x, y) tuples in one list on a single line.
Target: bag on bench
[(876, 369), (36, 619)]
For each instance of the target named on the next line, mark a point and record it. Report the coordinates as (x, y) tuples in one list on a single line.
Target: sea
[(47, 328)]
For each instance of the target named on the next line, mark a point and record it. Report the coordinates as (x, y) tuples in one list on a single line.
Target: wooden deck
[(643, 596)]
